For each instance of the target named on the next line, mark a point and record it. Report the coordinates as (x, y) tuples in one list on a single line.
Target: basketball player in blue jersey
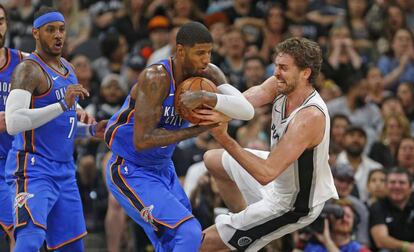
[(9, 58), (41, 112), (143, 134)]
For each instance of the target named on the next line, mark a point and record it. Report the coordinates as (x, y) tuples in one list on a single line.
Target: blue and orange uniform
[(145, 182), (40, 167), (13, 57)]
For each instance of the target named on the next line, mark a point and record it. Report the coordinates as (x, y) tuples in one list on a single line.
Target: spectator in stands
[(135, 63), (343, 59), (299, 25), (159, 36), (112, 94), (397, 66), (376, 186), (405, 154), (184, 11), (391, 105), (165, 51), (234, 48), (355, 107), (86, 77), (243, 9), (253, 72), (393, 21), (21, 23), (375, 84), (133, 23), (114, 50), (344, 182), (355, 20), (354, 143), (274, 31), (392, 218), (103, 14), (406, 95), (337, 233), (396, 127), (339, 125)]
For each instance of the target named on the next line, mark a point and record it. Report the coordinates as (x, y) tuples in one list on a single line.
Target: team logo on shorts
[(22, 198), (146, 214), (244, 241)]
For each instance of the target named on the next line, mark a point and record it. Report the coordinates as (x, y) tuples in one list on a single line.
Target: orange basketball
[(192, 84)]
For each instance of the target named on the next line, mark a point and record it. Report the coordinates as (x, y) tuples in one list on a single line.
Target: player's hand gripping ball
[(191, 84)]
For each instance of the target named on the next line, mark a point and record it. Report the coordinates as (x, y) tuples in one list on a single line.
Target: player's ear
[(180, 50), (35, 33), (306, 73)]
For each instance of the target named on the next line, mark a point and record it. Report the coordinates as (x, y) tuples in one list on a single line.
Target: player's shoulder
[(157, 71)]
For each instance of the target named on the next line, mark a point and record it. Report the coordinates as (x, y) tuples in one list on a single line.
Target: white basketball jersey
[(309, 178)]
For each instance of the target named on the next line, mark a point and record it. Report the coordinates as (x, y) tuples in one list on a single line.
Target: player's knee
[(212, 160), (189, 232)]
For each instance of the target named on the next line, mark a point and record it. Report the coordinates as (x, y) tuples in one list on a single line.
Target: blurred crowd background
[(366, 80)]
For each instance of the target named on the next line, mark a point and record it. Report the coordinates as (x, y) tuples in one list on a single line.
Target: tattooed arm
[(149, 95)]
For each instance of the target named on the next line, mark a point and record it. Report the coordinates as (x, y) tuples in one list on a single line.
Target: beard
[(290, 87), (48, 50), (354, 150)]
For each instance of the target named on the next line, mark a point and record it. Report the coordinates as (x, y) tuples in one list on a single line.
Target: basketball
[(192, 84)]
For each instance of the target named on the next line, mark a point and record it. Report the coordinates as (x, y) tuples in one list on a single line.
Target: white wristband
[(232, 103)]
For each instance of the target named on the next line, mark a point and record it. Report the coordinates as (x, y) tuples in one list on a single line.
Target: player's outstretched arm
[(149, 95), (305, 131), (230, 101)]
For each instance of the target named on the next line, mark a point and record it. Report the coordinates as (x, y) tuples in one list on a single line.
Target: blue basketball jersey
[(13, 57), (55, 139), (120, 130)]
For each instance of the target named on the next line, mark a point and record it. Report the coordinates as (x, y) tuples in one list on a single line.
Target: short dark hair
[(43, 10), (256, 58), (193, 33), (340, 116), (306, 53), (401, 170), (5, 13), (109, 41)]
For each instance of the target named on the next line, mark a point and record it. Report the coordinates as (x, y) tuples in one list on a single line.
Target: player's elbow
[(140, 144), (263, 180), (11, 127)]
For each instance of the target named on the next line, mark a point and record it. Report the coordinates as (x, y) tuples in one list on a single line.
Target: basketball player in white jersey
[(274, 193)]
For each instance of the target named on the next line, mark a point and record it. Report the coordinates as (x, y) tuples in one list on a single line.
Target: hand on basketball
[(74, 91), (192, 99), (209, 116)]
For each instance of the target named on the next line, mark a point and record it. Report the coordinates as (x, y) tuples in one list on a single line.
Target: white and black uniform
[(292, 201)]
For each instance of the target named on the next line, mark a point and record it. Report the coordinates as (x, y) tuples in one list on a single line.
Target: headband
[(48, 18)]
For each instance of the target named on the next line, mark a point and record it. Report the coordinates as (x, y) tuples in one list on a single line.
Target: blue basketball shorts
[(46, 192), (6, 208), (152, 197)]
